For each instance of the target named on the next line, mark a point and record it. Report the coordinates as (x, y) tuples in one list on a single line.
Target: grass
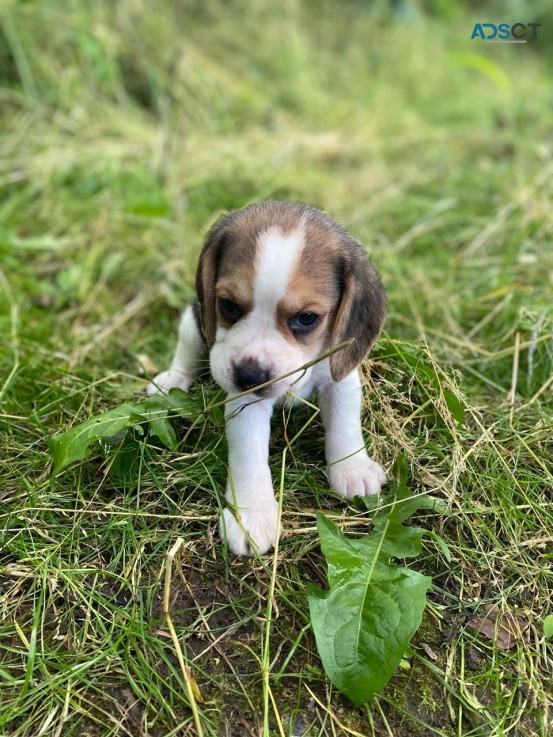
[(125, 133)]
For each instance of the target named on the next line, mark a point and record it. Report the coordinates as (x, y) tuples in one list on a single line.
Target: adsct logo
[(504, 33)]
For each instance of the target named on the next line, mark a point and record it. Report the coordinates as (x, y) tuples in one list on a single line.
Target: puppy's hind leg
[(187, 359)]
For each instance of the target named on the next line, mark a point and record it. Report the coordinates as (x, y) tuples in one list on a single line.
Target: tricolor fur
[(278, 284)]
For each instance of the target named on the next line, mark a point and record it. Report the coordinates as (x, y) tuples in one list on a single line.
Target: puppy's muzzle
[(249, 373)]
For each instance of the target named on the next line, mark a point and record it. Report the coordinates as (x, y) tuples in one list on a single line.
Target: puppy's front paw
[(256, 532), (170, 379), (356, 476)]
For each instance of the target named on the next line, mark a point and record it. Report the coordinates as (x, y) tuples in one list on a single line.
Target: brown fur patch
[(229, 255), (361, 311), (305, 295), (334, 277), (238, 288), (242, 236), (315, 284)]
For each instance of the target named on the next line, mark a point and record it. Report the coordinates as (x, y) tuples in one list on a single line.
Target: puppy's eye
[(304, 322), (229, 309)]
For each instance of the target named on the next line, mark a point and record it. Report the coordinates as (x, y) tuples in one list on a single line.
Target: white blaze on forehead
[(277, 256)]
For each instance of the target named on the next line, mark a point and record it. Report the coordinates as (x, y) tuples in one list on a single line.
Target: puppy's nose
[(249, 374)]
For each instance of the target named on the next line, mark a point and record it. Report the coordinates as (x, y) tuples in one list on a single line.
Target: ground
[(125, 133)]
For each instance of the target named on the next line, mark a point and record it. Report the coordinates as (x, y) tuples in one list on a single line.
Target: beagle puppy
[(279, 284)]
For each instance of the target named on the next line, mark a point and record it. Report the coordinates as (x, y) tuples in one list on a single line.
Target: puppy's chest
[(296, 397), (317, 382)]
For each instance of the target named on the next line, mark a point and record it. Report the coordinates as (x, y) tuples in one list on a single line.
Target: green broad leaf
[(124, 456), (163, 430), (455, 407), (373, 607), (154, 412), (390, 511), (364, 622), (398, 540), (548, 627)]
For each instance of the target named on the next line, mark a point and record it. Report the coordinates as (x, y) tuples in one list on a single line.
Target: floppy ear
[(206, 277), (360, 313)]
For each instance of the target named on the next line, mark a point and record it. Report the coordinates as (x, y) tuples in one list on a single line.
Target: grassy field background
[(126, 130)]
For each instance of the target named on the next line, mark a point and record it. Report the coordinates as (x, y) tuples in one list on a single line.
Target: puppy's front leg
[(186, 361), (254, 526), (350, 470)]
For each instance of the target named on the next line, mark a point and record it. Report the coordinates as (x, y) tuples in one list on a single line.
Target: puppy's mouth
[(278, 388), (264, 392)]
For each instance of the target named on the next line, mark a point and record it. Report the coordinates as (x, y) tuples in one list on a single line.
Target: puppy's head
[(279, 283)]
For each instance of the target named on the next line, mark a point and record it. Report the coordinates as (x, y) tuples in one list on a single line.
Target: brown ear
[(206, 277), (361, 311)]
